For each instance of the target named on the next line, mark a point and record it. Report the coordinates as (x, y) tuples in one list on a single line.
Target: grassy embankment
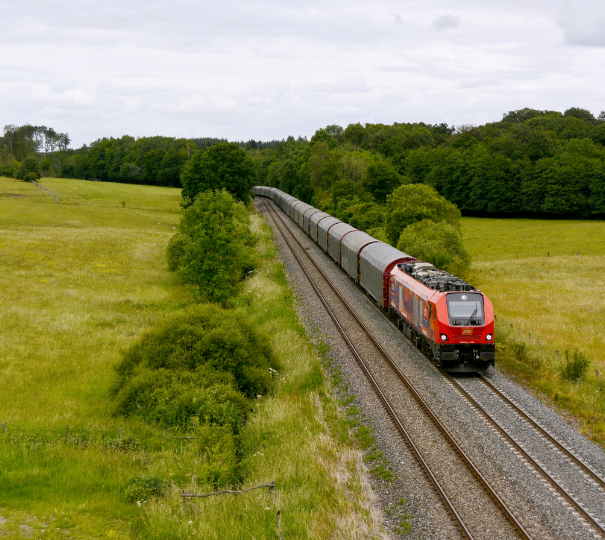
[(532, 272), (79, 283)]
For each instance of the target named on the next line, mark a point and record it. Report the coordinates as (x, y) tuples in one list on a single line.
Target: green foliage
[(438, 243), (217, 448), (176, 249), (143, 487), (220, 250), (223, 166), (382, 179), (416, 202), (575, 367), (209, 343)]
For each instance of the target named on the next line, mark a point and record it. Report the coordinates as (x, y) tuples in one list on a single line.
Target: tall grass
[(79, 284)]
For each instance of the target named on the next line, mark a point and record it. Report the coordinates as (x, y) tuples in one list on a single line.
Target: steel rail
[(389, 409), (586, 468), (570, 499), (433, 417)]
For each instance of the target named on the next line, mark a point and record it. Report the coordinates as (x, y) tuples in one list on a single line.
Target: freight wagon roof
[(310, 211), (340, 229), (381, 255), (356, 240), (316, 217), (326, 223)]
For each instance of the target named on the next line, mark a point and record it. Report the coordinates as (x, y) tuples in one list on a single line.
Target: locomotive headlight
[(443, 337), (488, 337)]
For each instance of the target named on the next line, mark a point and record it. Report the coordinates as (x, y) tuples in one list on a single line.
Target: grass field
[(547, 278), (78, 284)]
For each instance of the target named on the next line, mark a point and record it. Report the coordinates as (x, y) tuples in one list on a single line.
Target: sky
[(266, 69)]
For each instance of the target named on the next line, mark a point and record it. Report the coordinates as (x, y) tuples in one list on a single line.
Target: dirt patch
[(13, 195)]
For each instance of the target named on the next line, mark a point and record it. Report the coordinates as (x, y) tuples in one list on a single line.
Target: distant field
[(559, 298), (77, 285), (539, 284)]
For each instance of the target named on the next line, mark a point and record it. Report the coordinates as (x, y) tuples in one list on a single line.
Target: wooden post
[(68, 432)]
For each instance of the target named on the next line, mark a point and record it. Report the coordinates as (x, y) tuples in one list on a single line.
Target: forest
[(532, 163)]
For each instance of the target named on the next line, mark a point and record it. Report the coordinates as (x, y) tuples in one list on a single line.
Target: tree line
[(530, 163)]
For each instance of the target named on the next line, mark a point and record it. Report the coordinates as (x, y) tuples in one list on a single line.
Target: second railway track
[(467, 494)]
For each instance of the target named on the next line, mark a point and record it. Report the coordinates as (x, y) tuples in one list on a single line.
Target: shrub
[(175, 250), (438, 243), (205, 335), (575, 367), (143, 487), (220, 250), (31, 176), (411, 203), (171, 399)]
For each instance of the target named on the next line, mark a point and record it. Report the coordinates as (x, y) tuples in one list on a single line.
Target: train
[(449, 320)]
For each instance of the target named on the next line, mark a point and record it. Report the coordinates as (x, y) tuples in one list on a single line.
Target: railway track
[(591, 483), (483, 513)]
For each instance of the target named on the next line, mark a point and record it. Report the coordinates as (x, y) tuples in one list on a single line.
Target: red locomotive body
[(449, 319)]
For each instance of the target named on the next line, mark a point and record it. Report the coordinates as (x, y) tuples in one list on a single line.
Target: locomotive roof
[(433, 278)]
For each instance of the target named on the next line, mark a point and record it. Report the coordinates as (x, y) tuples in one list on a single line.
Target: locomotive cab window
[(465, 309)]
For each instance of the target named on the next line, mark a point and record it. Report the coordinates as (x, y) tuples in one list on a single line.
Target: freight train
[(445, 317)]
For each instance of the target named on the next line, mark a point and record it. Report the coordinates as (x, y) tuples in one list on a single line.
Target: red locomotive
[(448, 319)]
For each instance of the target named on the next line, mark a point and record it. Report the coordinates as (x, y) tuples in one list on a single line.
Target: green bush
[(438, 243), (575, 366), (411, 203), (143, 487), (220, 250), (176, 250), (172, 399), (31, 176), (205, 335)]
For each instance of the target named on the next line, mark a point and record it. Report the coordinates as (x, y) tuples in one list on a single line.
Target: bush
[(438, 243), (176, 250), (411, 203), (575, 367), (220, 250), (171, 399), (31, 176), (205, 337), (143, 487)]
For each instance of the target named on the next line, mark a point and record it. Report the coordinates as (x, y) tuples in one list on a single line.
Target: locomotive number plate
[(467, 331)]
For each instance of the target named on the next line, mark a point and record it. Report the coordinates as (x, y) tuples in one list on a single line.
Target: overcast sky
[(268, 69)]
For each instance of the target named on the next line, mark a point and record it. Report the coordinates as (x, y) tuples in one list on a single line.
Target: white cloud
[(269, 69), (446, 22)]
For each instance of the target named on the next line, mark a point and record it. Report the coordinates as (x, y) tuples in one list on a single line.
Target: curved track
[(484, 514)]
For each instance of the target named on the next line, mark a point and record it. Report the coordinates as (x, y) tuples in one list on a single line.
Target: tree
[(382, 179), (218, 251), (416, 202), (222, 166), (438, 243)]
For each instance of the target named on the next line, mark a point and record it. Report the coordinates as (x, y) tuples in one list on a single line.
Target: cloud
[(268, 69), (583, 23), (446, 22)]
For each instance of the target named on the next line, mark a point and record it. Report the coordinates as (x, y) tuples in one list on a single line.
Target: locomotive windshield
[(465, 309)]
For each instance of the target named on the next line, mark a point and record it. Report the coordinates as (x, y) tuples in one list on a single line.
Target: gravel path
[(542, 513)]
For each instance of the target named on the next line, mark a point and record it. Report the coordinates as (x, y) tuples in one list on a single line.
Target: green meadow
[(547, 278), (79, 282)]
